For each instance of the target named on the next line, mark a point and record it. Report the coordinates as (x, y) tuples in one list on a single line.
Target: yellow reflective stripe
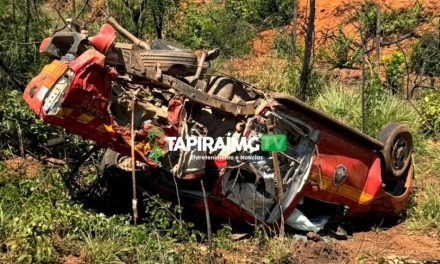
[(105, 128), (85, 118), (64, 112), (343, 190)]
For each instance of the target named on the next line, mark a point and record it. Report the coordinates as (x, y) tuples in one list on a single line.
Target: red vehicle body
[(334, 166)]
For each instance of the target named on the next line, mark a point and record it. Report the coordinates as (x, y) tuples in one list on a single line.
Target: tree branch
[(11, 74), (398, 40)]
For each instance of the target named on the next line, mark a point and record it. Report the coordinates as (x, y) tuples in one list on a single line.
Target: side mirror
[(104, 39)]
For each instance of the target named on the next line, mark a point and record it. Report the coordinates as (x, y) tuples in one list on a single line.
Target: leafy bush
[(223, 238), (394, 72), (425, 55), (15, 118), (144, 18), (342, 52), (211, 26), (281, 45), (401, 21), (430, 106), (262, 13), (20, 33)]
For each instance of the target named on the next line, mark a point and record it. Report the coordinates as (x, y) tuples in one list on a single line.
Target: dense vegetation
[(39, 220)]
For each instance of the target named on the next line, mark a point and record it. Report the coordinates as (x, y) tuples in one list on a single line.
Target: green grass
[(40, 223), (344, 103), (279, 76), (279, 250), (424, 212), (425, 215)]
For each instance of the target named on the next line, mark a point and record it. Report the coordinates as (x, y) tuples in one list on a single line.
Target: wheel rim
[(400, 153)]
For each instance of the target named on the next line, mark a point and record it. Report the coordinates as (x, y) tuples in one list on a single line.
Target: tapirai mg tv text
[(267, 142)]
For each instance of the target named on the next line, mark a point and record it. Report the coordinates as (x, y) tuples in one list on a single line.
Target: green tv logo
[(275, 142)]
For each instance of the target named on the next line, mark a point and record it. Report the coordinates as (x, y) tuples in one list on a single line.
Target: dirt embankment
[(329, 16)]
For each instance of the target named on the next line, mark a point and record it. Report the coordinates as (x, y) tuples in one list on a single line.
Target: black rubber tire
[(398, 145), (171, 62), (114, 190)]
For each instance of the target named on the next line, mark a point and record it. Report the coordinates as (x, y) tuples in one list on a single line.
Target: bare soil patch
[(396, 242)]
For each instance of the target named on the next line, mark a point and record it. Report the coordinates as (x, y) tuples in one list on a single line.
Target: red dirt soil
[(395, 242), (329, 14), (394, 245), (29, 165)]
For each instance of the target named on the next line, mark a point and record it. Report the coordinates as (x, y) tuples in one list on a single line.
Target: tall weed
[(344, 103)]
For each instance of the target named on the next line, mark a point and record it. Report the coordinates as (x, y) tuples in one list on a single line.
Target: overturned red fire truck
[(100, 89)]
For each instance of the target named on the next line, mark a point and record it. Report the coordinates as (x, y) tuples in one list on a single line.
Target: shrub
[(281, 45), (342, 52), (391, 109), (262, 13), (281, 250), (394, 72), (425, 55), (400, 21), (211, 26), (430, 106), (283, 76), (223, 238), (318, 80), (16, 117)]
